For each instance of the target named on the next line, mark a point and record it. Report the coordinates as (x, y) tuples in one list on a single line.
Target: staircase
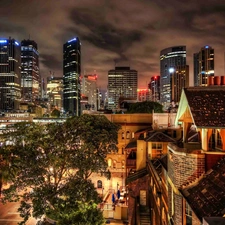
[(138, 174), (144, 215)]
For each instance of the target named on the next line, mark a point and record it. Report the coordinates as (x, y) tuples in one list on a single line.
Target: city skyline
[(115, 32)]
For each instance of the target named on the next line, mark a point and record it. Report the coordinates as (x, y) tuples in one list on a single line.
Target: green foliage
[(86, 213), (55, 113), (145, 107), (50, 166)]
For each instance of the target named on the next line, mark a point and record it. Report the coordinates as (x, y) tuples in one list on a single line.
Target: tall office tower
[(89, 91), (55, 91), (30, 73), (203, 66), (154, 87), (170, 59), (71, 76), (180, 80), (10, 76), (196, 68), (122, 83)]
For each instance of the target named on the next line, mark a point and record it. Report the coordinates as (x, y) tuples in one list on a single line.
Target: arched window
[(99, 184), (128, 134), (123, 164), (109, 162), (114, 163), (123, 135)]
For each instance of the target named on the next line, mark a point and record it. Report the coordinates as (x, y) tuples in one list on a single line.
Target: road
[(10, 216)]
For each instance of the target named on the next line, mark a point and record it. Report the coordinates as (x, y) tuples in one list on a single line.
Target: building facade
[(154, 87), (203, 66), (30, 73), (54, 92), (122, 83), (144, 94), (180, 80), (170, 59), (71, 76), (10, 75), (89, 92)]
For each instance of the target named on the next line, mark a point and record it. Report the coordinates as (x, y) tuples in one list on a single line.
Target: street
[(10, 216)]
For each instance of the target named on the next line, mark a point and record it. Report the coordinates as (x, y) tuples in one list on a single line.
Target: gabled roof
[(206, 105), (207, 197), (159, 137), (132, 144)]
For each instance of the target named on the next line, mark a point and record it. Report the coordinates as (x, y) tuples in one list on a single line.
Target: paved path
[(10, 216)]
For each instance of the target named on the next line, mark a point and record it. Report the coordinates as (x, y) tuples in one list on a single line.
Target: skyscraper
[(89, 91), (30, 74), (71, 76), (154, 87), (180, 80), (203, 66), (122, 83), (170, 59), (54, 92), (10, 76)]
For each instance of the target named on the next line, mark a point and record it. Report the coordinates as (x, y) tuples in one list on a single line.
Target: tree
[(52, 165), (55, 113), (145, 107)]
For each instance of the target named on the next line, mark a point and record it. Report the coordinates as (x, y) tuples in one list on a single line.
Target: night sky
[(122, 32)]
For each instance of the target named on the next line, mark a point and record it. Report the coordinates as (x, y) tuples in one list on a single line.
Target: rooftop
[(207, 105), (207, 197)]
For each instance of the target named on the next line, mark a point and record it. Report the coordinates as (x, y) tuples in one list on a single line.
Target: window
[(114, 163), (109, 162), (157, 150), (128, 134), (122, 135), (99, 184), (219, 143)]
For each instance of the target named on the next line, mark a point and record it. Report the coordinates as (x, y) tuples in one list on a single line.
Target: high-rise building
[(203, 66), (30, 73), (143, 94), (154, 87), (122, 83), (54, 91), (180, 80), (10, 76), (89, 91), (71, 76), (170, 59), (196, 68)]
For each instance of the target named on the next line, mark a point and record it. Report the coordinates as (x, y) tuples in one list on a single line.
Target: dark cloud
[(130, 33)]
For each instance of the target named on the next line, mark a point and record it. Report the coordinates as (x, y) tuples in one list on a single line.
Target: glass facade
[(10, 75), (71, 76), (170, 59), (122, 83), (30, 75), (205, 65)]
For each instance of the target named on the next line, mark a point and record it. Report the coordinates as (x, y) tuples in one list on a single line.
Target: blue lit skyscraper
[(10, 76), (170, 60), (71, 76)]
